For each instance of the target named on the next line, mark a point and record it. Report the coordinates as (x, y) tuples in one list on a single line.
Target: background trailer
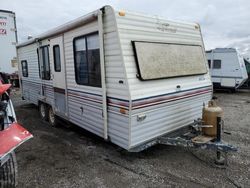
[(126, 77), (8, 42), (227, 68)]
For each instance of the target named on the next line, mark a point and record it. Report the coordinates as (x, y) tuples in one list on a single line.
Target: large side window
[(24, 68), (57, 58), (87, 60), (43, 63), (217, 64)]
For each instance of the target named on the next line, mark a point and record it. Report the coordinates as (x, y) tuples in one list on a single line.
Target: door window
[(57, 58), (209, 63), (24, 68), (45, 64)]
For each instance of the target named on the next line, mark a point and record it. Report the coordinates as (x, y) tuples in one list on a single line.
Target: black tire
[(43, 111), (53, 119), (8, 172)]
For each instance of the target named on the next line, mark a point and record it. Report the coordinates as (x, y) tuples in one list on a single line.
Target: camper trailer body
[(227, 68), (8, 41), (129, 78)]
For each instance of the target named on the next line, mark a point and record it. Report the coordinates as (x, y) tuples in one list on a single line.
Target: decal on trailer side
[(3, 32)]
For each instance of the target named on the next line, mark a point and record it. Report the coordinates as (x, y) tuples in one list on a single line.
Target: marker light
[(122, 13)]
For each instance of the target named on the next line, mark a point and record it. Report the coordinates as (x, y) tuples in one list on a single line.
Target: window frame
[(217, 60), (25, 74), (54, 58), (74, 54)]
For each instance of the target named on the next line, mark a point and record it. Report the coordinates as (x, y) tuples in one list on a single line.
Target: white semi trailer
[(8, 41)]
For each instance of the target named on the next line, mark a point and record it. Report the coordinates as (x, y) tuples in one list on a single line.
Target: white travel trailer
[(227, 68), (8, 41), (129, 78)]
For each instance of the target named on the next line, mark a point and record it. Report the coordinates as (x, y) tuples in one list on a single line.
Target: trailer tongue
[(204, 133), (193, 138)]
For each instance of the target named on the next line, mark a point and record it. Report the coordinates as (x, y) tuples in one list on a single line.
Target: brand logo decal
[(165, 27), (3, 32)]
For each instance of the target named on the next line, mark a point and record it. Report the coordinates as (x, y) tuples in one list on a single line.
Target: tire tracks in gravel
[(170, 177)]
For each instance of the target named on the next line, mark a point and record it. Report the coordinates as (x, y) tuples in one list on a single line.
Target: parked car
[(12, 135)]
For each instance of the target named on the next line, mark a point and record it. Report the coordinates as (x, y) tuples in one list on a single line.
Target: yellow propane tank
[(209, 117)]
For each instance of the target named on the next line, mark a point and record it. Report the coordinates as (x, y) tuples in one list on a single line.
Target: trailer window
[(24, 68), (45, 64), (209, 63), (38, 59), (217, 64), (164, 60), (57, 58), (87, 60)]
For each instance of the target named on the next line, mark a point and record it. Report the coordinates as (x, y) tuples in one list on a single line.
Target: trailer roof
[(63, 28), (80, 21), (7, 11), (220, 50)]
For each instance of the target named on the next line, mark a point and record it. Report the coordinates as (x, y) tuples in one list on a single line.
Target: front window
[(87, 60), (165, 60)]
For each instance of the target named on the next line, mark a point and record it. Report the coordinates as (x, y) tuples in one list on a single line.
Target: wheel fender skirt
[(11, 138)]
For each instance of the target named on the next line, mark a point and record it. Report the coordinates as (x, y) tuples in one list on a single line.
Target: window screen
[(57, 58), (217, 64), (24, 68), (87, 60), (163, 60), (209, 63)]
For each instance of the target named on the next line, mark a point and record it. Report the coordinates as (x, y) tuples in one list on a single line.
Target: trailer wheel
[(53, 119), (8, 172), (43, 110)]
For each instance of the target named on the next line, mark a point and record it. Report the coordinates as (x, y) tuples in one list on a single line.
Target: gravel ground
[(71, 157)]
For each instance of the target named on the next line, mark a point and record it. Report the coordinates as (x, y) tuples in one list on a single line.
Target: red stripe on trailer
[(164, 99)]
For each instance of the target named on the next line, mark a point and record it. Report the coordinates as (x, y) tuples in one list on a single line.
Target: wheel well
[(41, 102)]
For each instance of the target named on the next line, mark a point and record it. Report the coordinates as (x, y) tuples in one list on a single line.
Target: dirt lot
[(71, 157)]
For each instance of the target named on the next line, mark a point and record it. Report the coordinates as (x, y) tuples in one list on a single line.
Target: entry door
[(58, 74)]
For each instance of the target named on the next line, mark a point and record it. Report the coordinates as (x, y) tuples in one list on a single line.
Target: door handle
[(81, 109)]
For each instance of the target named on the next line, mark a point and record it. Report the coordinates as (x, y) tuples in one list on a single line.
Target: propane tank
[(209, 117)]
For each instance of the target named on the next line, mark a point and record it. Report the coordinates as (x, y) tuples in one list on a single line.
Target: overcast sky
[(224, 23)]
